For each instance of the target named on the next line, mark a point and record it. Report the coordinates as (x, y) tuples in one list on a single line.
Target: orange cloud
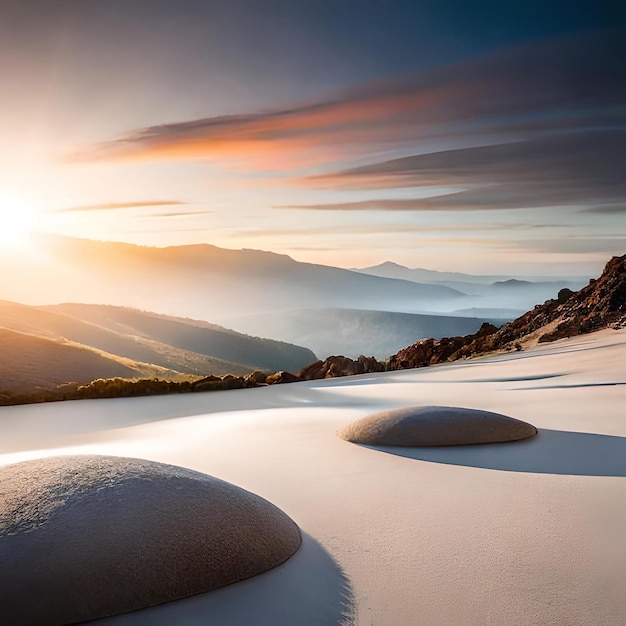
[(508, 95)]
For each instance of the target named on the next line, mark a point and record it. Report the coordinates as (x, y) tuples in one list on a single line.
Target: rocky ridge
[(600, 304)]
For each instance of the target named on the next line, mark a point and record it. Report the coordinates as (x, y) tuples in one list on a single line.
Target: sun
[(17, 217)]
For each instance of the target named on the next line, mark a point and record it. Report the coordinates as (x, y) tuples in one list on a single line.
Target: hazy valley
[(324, 309), (351, 332)]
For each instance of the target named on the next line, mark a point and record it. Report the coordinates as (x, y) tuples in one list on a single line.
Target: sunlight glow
[(17, 217)]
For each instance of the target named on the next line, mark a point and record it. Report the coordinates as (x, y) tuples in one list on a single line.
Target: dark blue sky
[(283, 48)]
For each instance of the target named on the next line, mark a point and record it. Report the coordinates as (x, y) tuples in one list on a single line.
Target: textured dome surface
[(435, 426), (83, 537)]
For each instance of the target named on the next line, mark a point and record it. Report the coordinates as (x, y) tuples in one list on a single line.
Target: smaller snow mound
[(435, 426)]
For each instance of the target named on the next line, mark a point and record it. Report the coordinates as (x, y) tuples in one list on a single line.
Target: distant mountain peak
[(511, 282), (392, 264), (389, 265)]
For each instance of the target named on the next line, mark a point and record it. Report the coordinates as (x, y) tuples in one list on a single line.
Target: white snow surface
[(530, 532)]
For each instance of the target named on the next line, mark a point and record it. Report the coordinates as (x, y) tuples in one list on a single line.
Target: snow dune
[(529, 532)]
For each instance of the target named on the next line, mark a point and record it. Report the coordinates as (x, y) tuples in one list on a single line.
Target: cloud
[(378, 229), (116, 206), (179, 214), (311, 249), (576, 245), (459, 201), (564, 169), (608, 209), (564, 84)]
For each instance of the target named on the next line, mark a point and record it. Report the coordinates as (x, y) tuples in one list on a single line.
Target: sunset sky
[(473, 136)]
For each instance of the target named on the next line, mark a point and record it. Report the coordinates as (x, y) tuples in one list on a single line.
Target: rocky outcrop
[(220, 383), (282, 377), (256, 378), (600, 304), (341, 366), (432, 351)]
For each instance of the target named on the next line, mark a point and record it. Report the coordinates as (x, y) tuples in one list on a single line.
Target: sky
[(486, 137)]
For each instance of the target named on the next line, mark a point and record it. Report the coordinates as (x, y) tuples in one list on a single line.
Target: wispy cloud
[(617, 208), (116, 206), (482, 200), (312, 249), (377, 229), (562, 85), (169, 214), (575, 168), (576, 245)]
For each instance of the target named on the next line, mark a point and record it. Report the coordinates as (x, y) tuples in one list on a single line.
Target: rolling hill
[(46, 346), (32, 362), (190, 337)]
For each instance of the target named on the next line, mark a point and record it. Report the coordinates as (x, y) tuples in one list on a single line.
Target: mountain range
[(486, 292), (389, 269), (201, 281), (210, 283)]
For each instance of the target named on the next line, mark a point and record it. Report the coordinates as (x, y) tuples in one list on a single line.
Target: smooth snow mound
[(435, 426), (83, 537)]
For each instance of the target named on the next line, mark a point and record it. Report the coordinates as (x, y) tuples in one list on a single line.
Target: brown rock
[(315, 371), (219, 384), (236, 382), (281, 377), (341, 366), (256, 378), (370, 365), (197, 385)]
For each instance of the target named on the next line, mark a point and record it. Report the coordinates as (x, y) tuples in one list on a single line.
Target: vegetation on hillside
[(125, 387)]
